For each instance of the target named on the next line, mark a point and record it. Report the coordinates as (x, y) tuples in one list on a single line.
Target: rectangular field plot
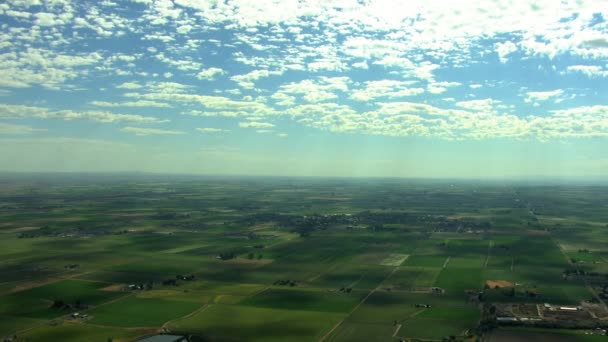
[(451, 312), (140, 312), (252, 274), (394, 259), (412, 278), (246, 323), (37, 302), (468, 248), (563, 293), (456, 280), (500, 261), (426, 260), (399, 307), (466, 262), (536, 275), (77, 332), (362, 332), (11, 325), (215, 287), (353, 276), (384, 307), (122, 277), (167, 265), (308, 300), (435, 329)]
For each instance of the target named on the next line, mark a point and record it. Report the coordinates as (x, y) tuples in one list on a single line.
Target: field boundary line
[(330, 269), (195, 312), (397, 330), (47, 281), (490, 245), (324, 337)]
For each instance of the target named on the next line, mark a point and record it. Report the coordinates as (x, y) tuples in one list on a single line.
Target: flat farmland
[(267, 259)]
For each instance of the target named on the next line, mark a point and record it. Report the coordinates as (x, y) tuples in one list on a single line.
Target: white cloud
[(435, 89), (505, 49), (312, 90), (385, 88), (255, 124), (282, 99), (248, 80), (47, 19), (485, 105), (591, 71), (360, 65), (19, 111), (326, 64), (102, 116), (212, 130), (140, 131), (210, 74), (425, 71), (533, 96), (129, 85), (142, 103), (183, 29)]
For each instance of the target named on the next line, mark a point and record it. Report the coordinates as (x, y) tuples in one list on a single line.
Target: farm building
[(568, 308)]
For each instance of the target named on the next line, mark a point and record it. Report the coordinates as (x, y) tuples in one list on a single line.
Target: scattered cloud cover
[(315, 72)]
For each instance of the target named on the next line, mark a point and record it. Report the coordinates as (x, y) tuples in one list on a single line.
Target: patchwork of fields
[(293, 259)]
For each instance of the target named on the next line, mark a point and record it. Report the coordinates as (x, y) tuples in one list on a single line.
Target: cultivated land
[(271, 259)]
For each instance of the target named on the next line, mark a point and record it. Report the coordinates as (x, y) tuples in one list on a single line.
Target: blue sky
[(321, 88)]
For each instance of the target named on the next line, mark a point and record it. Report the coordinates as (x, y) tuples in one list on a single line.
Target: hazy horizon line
[(532, 178)]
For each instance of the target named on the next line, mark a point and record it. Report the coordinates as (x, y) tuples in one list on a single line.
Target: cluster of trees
[(252, 256), (287, 282), (226, 255), (63, 305), (488, 319), (173, 282)]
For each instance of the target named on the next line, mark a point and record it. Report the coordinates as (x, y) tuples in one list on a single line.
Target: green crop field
[(311, 300), (300, 260), (233, 322), (140, 312)]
